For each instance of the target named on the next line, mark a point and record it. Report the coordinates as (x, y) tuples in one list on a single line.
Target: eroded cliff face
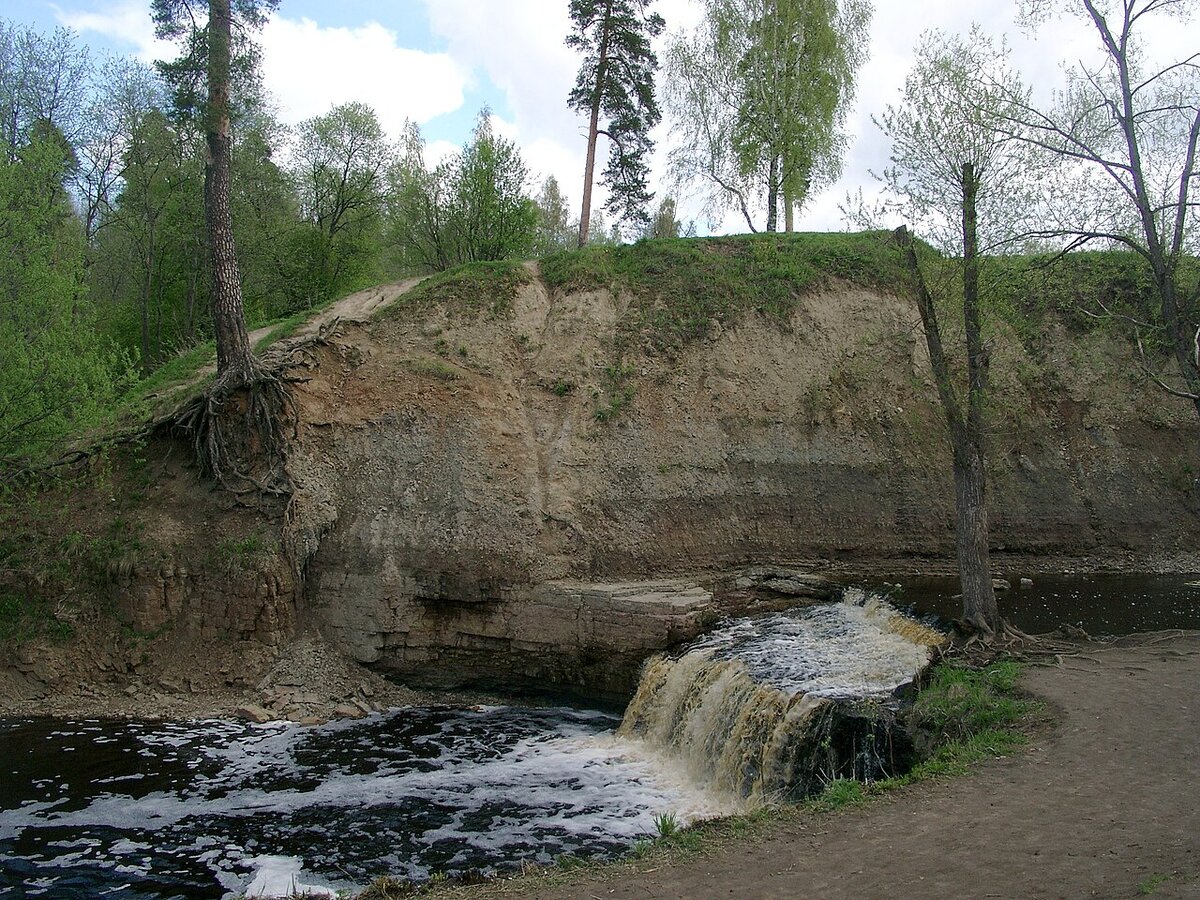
[(464, 482)]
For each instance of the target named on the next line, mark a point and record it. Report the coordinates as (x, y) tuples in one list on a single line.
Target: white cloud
[(310, 68), (518, 45), (128, 24)]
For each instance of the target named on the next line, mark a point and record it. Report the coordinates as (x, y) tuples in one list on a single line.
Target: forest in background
[(102, 222)]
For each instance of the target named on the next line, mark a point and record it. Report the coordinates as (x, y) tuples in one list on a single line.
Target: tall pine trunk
[(589, 169), (235, 362)]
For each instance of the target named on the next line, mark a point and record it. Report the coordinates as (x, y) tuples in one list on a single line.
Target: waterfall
[(775, 706)]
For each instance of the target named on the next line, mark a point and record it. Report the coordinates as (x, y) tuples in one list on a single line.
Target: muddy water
[(201, 809)]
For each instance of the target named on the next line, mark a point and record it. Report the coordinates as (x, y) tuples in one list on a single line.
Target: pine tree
[(212, 47), (616, 81), (227, 448)]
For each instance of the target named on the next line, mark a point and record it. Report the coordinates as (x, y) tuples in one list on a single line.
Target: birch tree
[(761, 89)]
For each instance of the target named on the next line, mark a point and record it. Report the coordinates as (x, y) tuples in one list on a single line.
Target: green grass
[(678, 287), (617, 394), (432, 368), (167, 378), (26, 617), (1152, 883), (468, 292)]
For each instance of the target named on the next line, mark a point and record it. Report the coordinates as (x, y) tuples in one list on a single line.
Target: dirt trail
[(1107, 806), (358, 307)]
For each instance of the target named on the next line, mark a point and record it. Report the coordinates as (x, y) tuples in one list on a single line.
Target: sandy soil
[(1108, 805)]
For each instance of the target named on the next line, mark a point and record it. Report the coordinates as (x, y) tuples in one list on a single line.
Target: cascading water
[(773, 707), (759, 708)]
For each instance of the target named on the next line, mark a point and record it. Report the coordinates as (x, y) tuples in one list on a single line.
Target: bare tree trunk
[(974, 565), (589, 169), (235, 362), (980, 610), (981, 613), (789, 213), (147, 362)]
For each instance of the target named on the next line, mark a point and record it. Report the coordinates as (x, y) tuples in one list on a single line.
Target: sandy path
[(354, 308), (1109, 800), (358, 307)]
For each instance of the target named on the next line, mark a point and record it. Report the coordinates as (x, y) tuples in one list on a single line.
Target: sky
[(438, 62)]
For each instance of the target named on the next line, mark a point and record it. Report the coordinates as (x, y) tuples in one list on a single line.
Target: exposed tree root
[(979, 649), (239, 429), (241, 426)]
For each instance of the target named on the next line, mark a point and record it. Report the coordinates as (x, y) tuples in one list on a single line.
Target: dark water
[(1102, 605), (212, 809), (194, 810)]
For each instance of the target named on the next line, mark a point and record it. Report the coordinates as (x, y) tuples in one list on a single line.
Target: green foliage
[(839, 793), (24, 618), (761, 89), (57, 376), (149, 253), (242, 550), (965, 715), (678, 288), (554, 229), (665, 225), (961, 702), (1086, 289), (339, 165), (432, 368), (619, 391), (666, 824), (471, 208), (616, 82)]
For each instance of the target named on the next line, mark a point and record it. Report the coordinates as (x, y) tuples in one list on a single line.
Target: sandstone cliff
[(515, 480)]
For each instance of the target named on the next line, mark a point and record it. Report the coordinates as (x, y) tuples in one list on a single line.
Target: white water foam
[(282, 876), (457, 791), (836, 650)]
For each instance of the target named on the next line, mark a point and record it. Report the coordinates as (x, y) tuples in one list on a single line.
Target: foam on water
[(861, 647), (190, 809), (254, 808)]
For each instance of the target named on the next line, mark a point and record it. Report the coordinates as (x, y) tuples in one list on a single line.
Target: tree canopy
[(760, 89), (616, 83)]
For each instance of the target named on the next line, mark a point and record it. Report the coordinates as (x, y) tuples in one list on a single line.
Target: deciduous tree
[(1126, 132), (340, 163), (953, 167), (760, 90), (56, 375)]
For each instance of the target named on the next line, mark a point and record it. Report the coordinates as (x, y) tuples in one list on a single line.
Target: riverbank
[(307, 682), (308, 679), (1105, 804)]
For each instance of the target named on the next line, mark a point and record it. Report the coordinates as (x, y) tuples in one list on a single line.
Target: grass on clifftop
[(467, 291), (678, 286), (963, 716)]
